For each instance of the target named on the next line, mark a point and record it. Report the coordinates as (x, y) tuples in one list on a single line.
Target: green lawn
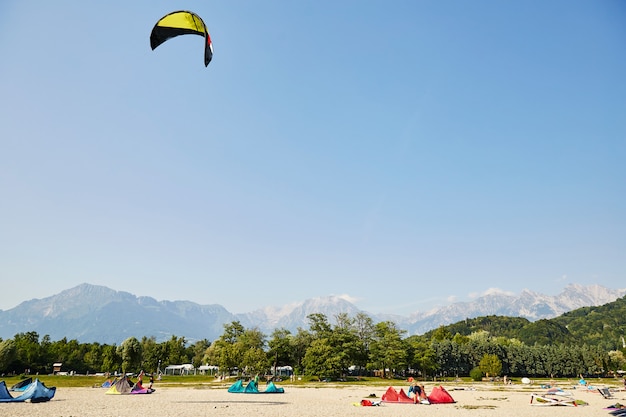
[(206, 381)]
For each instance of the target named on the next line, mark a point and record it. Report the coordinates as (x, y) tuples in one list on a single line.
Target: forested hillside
[(602, 326)]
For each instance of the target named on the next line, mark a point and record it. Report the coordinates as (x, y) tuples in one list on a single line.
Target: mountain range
[(93, 313)]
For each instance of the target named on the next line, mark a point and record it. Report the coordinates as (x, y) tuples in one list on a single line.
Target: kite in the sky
[(181, 23)]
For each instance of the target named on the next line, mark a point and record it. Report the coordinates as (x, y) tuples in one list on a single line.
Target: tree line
[(348, 346)]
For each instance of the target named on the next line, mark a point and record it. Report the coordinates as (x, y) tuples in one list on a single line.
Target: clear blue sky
[(401, 153)]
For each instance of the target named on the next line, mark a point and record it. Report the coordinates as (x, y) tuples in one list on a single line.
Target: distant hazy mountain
[(295, 315), (91, 313)]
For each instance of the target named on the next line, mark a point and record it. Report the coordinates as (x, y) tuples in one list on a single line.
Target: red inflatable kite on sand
[(438, 395)]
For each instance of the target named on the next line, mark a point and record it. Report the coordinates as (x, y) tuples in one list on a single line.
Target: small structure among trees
[(56, 367)]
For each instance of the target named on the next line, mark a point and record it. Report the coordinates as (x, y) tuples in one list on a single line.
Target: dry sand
[(327, 401)]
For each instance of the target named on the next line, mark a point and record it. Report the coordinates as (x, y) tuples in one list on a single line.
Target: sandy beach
[(328, 400)]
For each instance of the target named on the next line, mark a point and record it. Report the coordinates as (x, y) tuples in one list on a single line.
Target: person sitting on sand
[(419, 392), (139, 384)]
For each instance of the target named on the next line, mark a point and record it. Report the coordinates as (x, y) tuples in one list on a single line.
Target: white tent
[(284, 370), (208, 369), (184, 369)]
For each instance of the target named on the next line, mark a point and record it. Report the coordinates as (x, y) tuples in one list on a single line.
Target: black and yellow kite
[(181, 23)]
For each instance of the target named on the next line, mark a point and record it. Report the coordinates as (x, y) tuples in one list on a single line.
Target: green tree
[(249, 351), (198, 349), (150, 354), (130, 353), (321, 360), (238, 348), (175, 351), (388, 350), (255, 361), (281, 351), (29, 355), (476, 374), (46, 359), (300, 343), (8, 354), (319, 325), (232, 332), (111, 361), (423, 357), (617, 360), (220, 355), (490, 365), (442, 333), (345, 342), (364, 330), (93, 357), (70, 353)]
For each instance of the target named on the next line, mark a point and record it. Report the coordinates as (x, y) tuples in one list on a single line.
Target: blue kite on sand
[(252, 388), (36, 392)]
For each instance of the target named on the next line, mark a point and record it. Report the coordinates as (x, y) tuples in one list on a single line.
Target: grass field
[(208, 381)]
